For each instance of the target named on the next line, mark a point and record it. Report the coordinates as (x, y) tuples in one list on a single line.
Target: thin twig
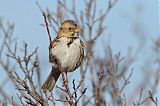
[(46, 23)]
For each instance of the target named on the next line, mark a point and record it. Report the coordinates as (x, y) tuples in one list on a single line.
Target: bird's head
[(68, 29)]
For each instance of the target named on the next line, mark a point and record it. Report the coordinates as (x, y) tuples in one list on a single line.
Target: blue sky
[(120, 22)]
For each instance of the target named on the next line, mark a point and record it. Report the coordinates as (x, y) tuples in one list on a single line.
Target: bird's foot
[(65, 83)]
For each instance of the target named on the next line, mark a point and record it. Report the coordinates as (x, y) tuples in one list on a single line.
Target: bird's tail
[(51, 80)]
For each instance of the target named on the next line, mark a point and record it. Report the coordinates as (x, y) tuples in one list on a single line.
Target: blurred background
[(132, 31)]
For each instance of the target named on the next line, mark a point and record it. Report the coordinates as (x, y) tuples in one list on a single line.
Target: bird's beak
[(77, 30)]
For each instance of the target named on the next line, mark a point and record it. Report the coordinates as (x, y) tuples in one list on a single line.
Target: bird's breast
[(69, 53)]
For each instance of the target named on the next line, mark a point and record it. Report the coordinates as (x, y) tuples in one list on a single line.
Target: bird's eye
[(70, 28)]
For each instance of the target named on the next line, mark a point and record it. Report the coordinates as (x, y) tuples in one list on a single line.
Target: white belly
[(68, 56)]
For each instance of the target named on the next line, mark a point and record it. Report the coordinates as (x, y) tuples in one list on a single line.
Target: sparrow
[(66, 52)]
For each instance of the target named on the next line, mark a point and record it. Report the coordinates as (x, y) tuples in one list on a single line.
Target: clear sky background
[(120, 22)]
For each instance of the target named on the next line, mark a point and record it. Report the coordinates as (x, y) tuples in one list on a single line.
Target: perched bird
[(66, 52)]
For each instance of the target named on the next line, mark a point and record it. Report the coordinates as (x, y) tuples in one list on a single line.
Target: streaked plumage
[(66, 49)]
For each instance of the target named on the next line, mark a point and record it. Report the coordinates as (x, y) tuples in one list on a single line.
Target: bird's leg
[(65, 82)]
